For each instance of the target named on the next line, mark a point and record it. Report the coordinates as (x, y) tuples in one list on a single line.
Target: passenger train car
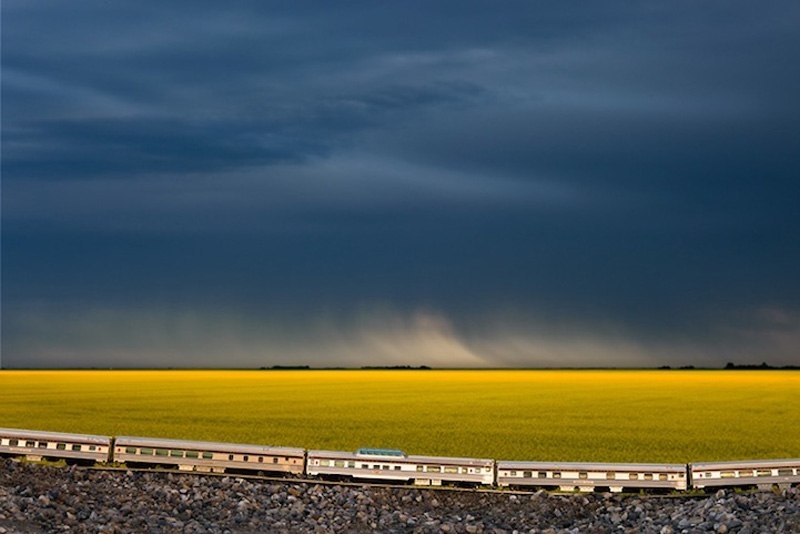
[(208, 456), (39, 445), (390, 464), (393, 465), (761, 473), (570, 476)]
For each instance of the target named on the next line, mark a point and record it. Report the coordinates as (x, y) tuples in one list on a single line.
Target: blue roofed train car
[(395, 465)]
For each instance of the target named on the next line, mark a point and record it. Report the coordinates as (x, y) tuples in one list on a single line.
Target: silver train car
[(395, 465), (761, 473), (573, 476), (37, 445), (208, 456)]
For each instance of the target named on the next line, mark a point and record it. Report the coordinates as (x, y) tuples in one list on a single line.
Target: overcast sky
[(461, 183)]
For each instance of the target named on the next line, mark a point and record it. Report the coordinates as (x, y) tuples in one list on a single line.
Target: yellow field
[(632, 416)]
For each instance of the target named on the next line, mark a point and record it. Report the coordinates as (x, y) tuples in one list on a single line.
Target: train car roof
[(700, 466), (344, 455), (368, 451), (588, 466), (207, 446), (44, 435)]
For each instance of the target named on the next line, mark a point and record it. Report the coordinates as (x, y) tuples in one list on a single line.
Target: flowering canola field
[(581, 415)]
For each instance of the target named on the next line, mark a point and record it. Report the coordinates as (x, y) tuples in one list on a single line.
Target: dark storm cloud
[(465, 184), (102, 148)]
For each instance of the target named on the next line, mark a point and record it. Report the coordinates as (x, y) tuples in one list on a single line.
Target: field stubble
[(614, 416)]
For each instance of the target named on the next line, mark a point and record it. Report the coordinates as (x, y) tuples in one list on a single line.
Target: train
[(393, 465)]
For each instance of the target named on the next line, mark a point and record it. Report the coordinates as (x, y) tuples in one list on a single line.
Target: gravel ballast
[(38, 499)]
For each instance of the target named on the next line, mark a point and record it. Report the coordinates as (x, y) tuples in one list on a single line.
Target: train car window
[(433, 469), (785, 472), (376, 466), (176, 454), (261, 459), (611, 475), (747, 473), (450, 469), (162, 452), (192, 454), (245, 458), (764, 473), (275, 460), (728, 474), (230, 457), (130, 450), (338, 463), (61, 446), (583, 475), (208, 456), (92, 448), (351, 465), (13, 442), (512, 473), (76, 448), (541, 474), (527, 474), (146, 451), (364, 466), (633, 476), (397, 468), (324, 463), (30, 444), (648, 476), (420, 469), (385, 467), (42, 444), (556, 474), (662, 476)]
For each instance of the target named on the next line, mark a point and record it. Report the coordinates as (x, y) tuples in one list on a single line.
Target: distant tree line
[(763, 365), (736, 367), (396, 367)]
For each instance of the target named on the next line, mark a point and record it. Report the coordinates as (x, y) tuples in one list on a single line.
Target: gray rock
[(36, 499)]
